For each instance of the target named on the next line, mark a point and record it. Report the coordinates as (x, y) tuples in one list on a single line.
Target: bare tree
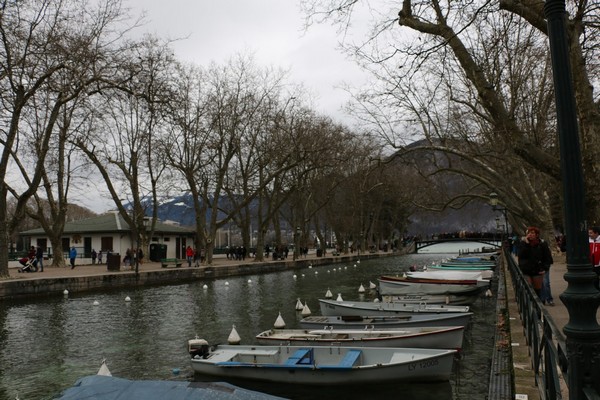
[(53, 53), (121, 130), (469, 73)]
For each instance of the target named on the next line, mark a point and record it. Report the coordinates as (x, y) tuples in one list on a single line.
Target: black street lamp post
[(296, 241), (360, 242), (503, 210), (581, 297)]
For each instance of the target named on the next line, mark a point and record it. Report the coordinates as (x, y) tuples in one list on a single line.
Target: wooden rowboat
[(384, 322), (447, 337), (333, 308), (322, 365)]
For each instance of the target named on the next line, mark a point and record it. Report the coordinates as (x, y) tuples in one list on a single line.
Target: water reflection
[(47, 344)]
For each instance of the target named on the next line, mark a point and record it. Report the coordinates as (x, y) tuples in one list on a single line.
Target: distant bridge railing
[(420, 244)]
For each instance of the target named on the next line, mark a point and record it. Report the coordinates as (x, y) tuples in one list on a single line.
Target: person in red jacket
[(189, 253), (594, 236)]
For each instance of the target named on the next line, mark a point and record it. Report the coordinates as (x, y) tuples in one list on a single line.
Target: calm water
[(47, 344)]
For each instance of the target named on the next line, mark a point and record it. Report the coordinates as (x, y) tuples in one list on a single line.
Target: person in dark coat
[(535, 259), (39, 255)]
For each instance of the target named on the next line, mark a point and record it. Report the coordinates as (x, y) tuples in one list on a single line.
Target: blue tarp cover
[(99, 387)]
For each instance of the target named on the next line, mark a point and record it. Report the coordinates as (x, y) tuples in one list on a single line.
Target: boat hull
[(447, 337), (384, 322), (398, 287), (449, 299), (326, 365), (358, 308)]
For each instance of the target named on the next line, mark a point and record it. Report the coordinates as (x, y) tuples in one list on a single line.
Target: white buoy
[(96, 303), (279, 322), (334, 270), (226, 283), (358, 261), (328, 271), (305, 310), (310, 266), (328, 294), (488, 293), (295, 276), (316, 272), (205, 286), (66, 292), (345, 267), (339, 298), (303, 275), (104, 371), (354, 265), (234, 338), (361, 289), (299, 305), (249, 280), (127, 298), (372, 285), (376, 300)]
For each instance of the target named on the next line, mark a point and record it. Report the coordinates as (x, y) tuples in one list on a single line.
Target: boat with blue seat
[(321, 365)]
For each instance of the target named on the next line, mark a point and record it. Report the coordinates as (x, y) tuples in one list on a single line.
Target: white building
[(110, 232)]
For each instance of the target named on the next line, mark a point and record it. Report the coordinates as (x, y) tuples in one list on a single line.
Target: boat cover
[(110, 388)]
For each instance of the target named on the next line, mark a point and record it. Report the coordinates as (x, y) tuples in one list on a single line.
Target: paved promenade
[(84, 267)]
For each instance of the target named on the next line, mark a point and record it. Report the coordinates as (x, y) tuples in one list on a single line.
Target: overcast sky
[(272, 30)]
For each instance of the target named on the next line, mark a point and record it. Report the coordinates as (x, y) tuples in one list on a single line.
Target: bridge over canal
[(421, 244)]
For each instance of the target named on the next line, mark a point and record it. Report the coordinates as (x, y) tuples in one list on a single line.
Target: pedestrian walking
[(94, 255), (535, 260), (189, 253), (39, 255), (73, 256)]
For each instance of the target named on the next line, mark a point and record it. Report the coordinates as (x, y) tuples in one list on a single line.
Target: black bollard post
[(580, 298)]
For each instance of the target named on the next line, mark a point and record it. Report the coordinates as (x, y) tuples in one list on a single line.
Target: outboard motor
[(198, 348)]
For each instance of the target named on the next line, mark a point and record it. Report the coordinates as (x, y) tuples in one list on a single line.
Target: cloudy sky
[(272, 30)]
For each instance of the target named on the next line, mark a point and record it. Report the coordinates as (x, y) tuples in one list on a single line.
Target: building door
[(66, 242), (87, 247), (178, 244)]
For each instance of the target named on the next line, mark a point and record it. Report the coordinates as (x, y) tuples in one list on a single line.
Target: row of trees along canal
[(89, 104)]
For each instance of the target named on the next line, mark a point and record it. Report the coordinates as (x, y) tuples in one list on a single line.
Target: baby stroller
[(28, 265)]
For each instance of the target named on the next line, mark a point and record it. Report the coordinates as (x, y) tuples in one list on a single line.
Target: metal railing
[(546, 342)]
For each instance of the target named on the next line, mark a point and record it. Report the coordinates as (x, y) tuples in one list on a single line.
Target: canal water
[(46, 344)]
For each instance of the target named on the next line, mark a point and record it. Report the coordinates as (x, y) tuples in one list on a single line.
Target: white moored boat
[(391, 285), (384, 322), (358, 308), (322, 365), (448, 337), (450, 299), (469, 277)]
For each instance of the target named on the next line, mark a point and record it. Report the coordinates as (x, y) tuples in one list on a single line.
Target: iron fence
[(546, 342)]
